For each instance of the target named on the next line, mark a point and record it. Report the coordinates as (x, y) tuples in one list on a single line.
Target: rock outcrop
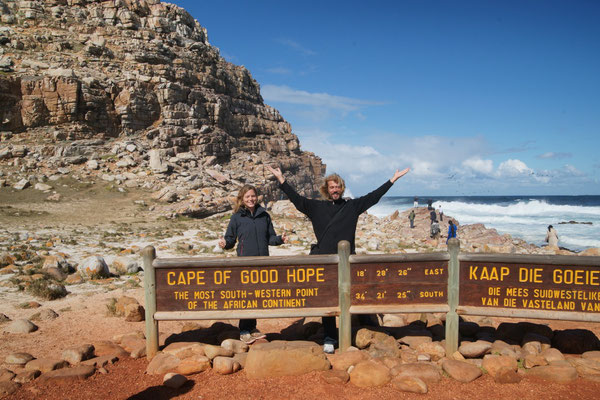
[(133, 93)]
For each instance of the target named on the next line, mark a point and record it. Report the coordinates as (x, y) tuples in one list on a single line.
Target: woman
[(552, 236), (251, 227)]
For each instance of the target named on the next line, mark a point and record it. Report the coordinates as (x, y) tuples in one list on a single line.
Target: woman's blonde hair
[(337, 179), (239, 201)]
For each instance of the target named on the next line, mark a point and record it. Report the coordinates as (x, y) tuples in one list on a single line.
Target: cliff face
[(131, 91)]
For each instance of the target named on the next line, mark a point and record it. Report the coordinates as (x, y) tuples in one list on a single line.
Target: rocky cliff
[(131, 92)]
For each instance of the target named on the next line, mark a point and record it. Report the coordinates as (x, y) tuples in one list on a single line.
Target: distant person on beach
[(334, 219), (451, 230), (429, 202), (411, 218), (416, 202), (434, 230), (432, 215), (441, 213), (552, 236), (251, 227)]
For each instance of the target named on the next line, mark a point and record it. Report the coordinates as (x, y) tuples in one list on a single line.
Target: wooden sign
[(246, 288), (530, 286), (399, 283)]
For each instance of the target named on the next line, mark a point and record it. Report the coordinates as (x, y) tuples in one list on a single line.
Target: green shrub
[(47, 289)]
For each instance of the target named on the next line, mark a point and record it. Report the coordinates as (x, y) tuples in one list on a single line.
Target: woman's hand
[(222, 243), (284, 238)]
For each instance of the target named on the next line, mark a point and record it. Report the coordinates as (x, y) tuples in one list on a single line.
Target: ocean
[(525, 217)]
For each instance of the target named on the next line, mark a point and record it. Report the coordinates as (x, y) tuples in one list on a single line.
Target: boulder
[(344, 360), (370, 374), (474, 349), (193, 365), (494, 364), (461, 371), (75, 355), (18, 359), (282, 358), (93, 266), (426, 372), (225, 365), (79, 372), (174, 381), (409, 384), (162, 363), (46, 364), (554, 373), (21, 326), (335, 377)]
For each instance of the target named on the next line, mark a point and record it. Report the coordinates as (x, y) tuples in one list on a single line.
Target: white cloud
[(514, 168), (554, 156), (438, 164), (478, 166), (285, 94), (296, 46), (571, 170), (279, 70)]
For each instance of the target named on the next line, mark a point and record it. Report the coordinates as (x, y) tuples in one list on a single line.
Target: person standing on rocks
[(441, 213), (252, 228), (451, 230), (552, 236), (411, 218), (333, 219)]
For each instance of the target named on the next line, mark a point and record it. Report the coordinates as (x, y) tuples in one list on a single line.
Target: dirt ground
[(83, 319)]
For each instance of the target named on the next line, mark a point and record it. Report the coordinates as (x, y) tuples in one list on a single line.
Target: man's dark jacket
[(254, 233), (321, 212)]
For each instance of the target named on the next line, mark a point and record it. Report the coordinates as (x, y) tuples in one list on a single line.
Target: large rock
[(193, 365), (162, 363), (495, 364), (46, 364), (344, 360), (554, 373), (80, 372), (426, 372), (19, 359), (281, 358), (75, 355), (93, 266), (369, 374), (21, 326), (461, 371), (409, 384), (474, 349)]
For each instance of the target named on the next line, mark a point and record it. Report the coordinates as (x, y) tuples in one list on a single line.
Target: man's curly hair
[(337, 179)]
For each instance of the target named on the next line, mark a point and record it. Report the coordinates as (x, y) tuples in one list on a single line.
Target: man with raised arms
[(333, 219)]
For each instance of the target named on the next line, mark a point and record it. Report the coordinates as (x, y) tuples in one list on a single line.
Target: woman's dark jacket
[(321, 212), (254, 233)]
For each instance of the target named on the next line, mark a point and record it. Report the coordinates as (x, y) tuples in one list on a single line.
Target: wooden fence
[(504, 285)]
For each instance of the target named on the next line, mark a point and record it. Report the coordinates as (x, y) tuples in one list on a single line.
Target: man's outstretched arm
[(301, 203), (370, 199)]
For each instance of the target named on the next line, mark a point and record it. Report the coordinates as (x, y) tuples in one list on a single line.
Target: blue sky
[(477, 97)]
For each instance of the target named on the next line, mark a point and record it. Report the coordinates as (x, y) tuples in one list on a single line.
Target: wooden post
[(453, 292), (149, 254), (345, 328)]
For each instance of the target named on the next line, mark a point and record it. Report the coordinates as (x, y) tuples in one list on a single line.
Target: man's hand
[(284, 237), (399, 174), (276, 173)]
